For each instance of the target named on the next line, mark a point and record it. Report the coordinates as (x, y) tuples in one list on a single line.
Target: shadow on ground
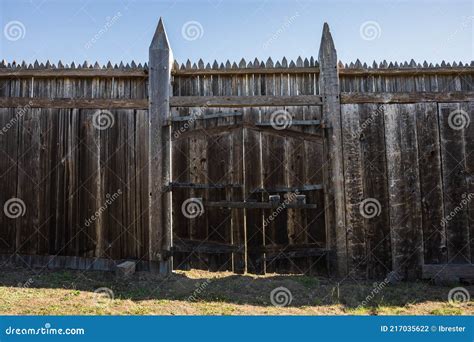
[(203, 286)]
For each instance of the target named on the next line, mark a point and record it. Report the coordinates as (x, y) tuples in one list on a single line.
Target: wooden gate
[(241, 153), (246, 181)]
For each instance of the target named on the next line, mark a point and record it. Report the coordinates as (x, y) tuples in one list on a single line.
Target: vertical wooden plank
[(404, 190), (9, 122), (132, 198), (141, 143), (28, 180), (434, 233), (44, 88), (315, 219), (90, 199), (111, 154), (253, 180), (469, 136), (57, 233), (273, 164), (238, 219), (453, 120), (75, 227), (199, 168), (198, 171), (219, 219), (180, 174), (377, 228), (334, 179), (274, 168), (354, 191), (160, 62), (294, 168)]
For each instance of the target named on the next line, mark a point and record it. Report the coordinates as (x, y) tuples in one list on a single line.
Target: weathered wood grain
[(180, 173), (9, 121), (431, 185), (333, 178), (406, 97), (79, 103), (354, 190), (404, 190), (374, 163), (160, 57), (453, 157), (245, 101), (408, 158)]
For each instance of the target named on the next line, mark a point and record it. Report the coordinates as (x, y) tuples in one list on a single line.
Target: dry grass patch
[(205, 293)]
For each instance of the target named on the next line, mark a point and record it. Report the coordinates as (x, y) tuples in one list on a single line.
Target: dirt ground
[(204, 293)]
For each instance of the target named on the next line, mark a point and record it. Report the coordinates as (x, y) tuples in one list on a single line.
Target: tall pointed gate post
[(159, 78), (333, 170)]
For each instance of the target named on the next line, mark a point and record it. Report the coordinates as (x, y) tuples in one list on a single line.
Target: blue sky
[(121, 30)]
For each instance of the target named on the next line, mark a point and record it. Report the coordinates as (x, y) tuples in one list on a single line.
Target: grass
[(204, 293)]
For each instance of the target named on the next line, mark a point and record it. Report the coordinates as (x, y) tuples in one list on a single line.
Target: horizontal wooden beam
[(245, 101), (235, 101), (203, 117), (143, 73), (290, 247), (55, 73), (306, 187), (342, 71), (81, 103), (296, 254), (448, 271), (293, 123), (174, 185), (288, 132), (406, 71), (245, 71), (276, 252), (407, 97), (198, 246), (258, 205)]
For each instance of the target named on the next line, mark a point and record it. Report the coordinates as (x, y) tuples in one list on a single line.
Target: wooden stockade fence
[(306, 166)]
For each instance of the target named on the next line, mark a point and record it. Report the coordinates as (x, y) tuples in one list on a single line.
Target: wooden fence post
[(333, 168), (159, 78)]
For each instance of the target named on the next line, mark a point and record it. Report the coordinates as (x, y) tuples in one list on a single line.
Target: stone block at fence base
[(125, 269)]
